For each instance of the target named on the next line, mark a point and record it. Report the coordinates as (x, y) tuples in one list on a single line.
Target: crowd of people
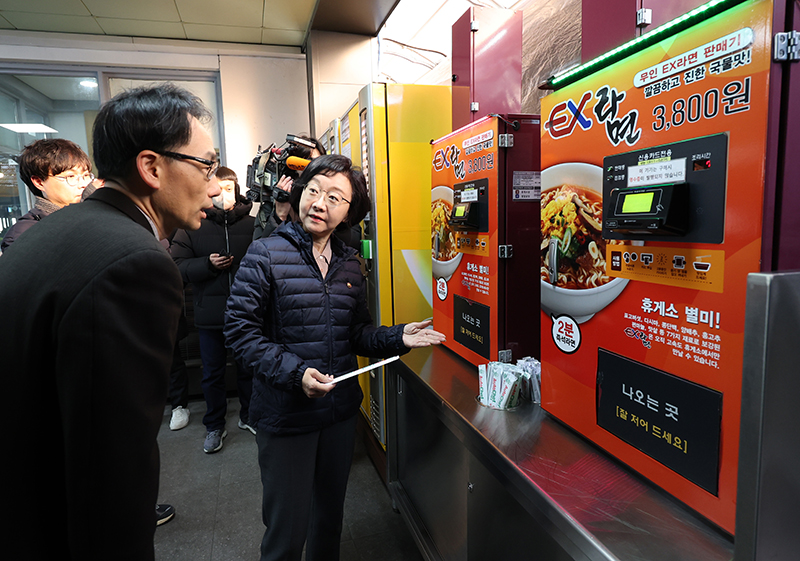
[(92, 298)]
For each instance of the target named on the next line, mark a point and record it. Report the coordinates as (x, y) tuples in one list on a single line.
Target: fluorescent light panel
[(662, 32), (30, 128)]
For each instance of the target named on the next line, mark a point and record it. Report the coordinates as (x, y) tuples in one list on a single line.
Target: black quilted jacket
[(220, 231), (283, 317)]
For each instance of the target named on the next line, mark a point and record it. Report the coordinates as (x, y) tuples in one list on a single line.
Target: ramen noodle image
[(443, 240), (572, 246)]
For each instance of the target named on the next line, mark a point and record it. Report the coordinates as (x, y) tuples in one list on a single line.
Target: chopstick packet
[(482, 374)]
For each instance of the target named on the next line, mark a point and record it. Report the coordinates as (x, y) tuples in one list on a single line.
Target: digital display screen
[(635, 203), (459, 211)]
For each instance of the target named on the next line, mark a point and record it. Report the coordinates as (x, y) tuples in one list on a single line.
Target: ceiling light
[(30, 128), (88, 83), (701, 13)]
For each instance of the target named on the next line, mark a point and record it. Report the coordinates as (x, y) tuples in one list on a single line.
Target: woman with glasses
[(296, 318), (56, 171)]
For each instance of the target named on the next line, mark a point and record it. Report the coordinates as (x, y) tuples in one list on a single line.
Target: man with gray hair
[(90, 302)]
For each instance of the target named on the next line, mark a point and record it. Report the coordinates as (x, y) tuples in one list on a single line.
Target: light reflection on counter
[(604, 502)]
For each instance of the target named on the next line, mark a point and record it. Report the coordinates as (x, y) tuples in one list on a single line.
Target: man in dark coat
[(208, 259), (90, 302)]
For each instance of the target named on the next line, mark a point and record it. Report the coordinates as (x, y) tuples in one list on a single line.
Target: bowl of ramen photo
[(572, 262), (443, 239)]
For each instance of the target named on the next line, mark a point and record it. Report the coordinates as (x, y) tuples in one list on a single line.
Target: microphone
[(297, 164)]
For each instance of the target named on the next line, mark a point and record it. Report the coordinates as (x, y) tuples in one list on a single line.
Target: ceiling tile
[(238, 13), (63, 7), (53, 22), (282, 37), (225, 34), (150, 10), (135, 28), (288, 15)]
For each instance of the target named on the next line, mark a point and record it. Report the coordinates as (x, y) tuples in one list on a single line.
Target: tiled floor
[(218, 500)]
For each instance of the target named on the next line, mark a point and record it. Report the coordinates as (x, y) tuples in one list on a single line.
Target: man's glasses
[(213, 166), (74, 180), (331, 198)]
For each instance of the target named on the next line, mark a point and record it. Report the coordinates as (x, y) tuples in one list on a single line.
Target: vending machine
[(484, 205), (388, 132), (331, 138), (653, 189), (348, 135)]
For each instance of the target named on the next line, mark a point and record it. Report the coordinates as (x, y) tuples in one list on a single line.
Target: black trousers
[(214, 356), (305, 480), (178, 380)]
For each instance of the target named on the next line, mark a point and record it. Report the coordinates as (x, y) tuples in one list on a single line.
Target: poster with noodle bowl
[(672, 309)]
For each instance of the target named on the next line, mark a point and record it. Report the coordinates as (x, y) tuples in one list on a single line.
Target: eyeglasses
[(74, 180), (331, 198), (213, 165)]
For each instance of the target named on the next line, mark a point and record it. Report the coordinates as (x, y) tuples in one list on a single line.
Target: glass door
[(36, 105)]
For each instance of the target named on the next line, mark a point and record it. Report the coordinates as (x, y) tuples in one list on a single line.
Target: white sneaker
[(180, 418)]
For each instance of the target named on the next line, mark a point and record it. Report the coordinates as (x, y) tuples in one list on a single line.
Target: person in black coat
[(297, 316), (90, 303), (208, 258)]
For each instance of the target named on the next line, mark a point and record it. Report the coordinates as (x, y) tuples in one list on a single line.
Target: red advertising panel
[(652, 190), (464, 239)]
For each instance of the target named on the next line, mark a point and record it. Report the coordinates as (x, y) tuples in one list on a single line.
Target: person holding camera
[(208, 258), (275, 208)]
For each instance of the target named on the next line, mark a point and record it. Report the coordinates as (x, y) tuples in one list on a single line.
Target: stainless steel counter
[(591, 506)]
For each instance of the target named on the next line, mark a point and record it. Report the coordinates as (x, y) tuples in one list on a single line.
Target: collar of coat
[(121, 202)]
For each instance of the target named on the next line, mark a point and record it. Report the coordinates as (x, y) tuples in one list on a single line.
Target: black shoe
[(164, 513)]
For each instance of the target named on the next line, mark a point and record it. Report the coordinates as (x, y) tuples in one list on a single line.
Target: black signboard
[(699, 166), (471, 325), (672, 420)]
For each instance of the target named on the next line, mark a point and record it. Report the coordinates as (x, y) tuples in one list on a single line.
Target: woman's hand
[(316, 384), (220, 262), (416, 335)]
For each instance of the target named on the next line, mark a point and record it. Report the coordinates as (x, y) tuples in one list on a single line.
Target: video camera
[(269, 165)]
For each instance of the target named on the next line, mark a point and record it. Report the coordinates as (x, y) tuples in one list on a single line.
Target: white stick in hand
[(362, 370)]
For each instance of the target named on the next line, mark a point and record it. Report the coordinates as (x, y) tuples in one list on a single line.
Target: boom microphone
[(297, 164)]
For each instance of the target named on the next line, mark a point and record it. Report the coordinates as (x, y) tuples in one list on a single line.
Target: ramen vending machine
[(484, 206), (652, 206)]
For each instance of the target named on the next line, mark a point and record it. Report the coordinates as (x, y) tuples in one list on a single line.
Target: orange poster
[(464, 239), (652, 188)]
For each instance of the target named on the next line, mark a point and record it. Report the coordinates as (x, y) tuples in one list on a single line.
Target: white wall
[(264, 89), (340, 65), (263, 100)]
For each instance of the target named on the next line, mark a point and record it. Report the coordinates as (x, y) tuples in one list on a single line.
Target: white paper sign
[(670, 171)]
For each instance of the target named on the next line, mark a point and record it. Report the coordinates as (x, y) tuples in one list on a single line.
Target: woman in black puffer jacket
[(297, 316), (208, 258)]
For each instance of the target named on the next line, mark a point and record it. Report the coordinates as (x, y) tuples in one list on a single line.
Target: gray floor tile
[(217, 498)]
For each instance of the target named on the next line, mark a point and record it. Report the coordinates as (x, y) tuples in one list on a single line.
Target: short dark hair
[(331, 164), (228, 174), (148, 118), (47, 157), (304, 151)]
